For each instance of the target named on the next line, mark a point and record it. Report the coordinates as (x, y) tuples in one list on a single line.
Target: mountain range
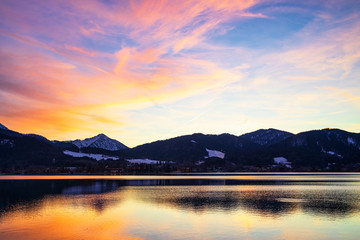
[(323, 149)]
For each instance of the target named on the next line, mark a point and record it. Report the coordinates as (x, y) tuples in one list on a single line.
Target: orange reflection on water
[(132, 213), (190, 212), (59, 218)]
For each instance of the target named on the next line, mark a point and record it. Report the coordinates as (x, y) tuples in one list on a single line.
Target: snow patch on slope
[(89, 155), (333, 153), (282, 161), (215, 153), (351, 141), (145, 161)]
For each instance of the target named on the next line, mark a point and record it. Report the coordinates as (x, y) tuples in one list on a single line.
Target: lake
[(236, 206)]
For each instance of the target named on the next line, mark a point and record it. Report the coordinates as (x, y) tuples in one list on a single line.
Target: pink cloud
[(59, 72)]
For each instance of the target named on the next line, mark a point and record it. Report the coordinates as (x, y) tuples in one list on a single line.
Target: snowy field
[(89, 155), (145, 161), (214, 153)]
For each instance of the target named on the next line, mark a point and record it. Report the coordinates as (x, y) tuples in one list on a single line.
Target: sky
[(140, 71)]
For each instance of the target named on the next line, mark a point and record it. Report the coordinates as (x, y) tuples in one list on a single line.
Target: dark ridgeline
[(316, 150), (25, 150), (267, 137)]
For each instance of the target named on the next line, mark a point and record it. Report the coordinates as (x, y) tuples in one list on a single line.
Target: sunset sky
[(140, 71)]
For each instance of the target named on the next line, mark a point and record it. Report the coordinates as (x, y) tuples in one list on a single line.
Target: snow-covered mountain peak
[(99, 141)]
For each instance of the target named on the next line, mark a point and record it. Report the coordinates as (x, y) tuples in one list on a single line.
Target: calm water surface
[(243, 206)]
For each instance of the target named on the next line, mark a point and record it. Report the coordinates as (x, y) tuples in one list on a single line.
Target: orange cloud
[(348, 97), (58, 84)]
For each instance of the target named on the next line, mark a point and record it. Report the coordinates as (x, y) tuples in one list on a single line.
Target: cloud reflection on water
[(181, 208)]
